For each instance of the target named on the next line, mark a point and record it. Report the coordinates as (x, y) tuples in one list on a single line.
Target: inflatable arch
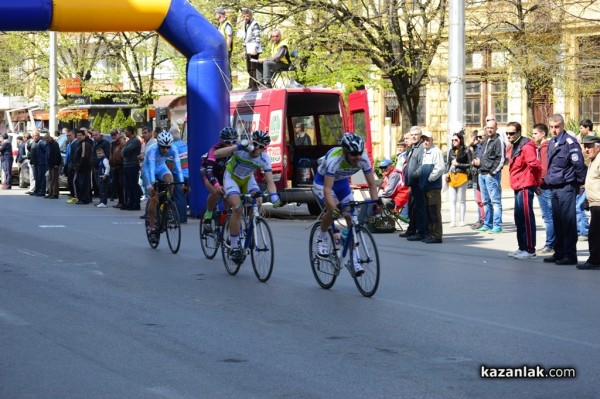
[(178, 22)]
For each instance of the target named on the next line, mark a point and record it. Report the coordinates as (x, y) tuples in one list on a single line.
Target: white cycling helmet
[(164, 139), (352, 142)]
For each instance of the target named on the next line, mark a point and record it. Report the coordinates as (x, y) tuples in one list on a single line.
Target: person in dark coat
[(53, 162), (41, 168), (82, 162), (131, 170), (7, 161)]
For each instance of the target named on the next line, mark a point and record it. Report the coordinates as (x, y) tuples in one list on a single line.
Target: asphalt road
[(89, 310)]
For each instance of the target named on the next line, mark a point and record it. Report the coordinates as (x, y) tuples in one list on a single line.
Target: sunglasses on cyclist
[(356, 153), (259, 146), (229, 142), (166, 147)]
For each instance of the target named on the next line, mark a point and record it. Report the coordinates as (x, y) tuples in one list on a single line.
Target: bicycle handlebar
[(359, 203)]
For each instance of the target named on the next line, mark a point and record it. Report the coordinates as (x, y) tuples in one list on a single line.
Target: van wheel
[(313, 208)]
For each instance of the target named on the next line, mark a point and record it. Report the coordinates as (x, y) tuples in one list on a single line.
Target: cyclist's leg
[(252, 187), (327, 219), (152, 203), (232, 193), (211, 200)]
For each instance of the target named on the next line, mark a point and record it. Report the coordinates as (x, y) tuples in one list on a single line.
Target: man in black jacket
[(53, 162), (131, 170), (82, 163), (417, 229), (41, 168)]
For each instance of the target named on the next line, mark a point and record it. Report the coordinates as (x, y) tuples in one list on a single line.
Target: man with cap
[(252, 45), (591, 146), (227, 31), (393, 192), (430, 182), (566, 173)]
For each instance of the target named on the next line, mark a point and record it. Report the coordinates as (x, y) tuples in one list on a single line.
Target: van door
[(360, 123), (360, 120)]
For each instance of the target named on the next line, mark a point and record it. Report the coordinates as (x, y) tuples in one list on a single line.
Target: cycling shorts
[(235, 185), (159, 172), (341, 191)]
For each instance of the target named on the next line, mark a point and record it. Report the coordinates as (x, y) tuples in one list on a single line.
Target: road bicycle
[(211, 235), (358, 248), (167, 218), (255, 239)]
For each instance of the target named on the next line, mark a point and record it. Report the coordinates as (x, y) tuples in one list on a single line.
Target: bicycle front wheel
[(262, 250), (154, 239), (231, 266), (368, 260), (323, 269), (209, 237), (173, 226)]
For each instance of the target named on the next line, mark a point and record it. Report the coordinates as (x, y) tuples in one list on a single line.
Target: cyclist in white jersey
[(239, 179), (332, 184)]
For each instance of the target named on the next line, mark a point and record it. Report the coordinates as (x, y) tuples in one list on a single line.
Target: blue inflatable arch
[(178, 22)]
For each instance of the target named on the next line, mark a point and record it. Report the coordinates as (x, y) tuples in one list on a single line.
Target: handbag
[(457, 179), (381, 224)]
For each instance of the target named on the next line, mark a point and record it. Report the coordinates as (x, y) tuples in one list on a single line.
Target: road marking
[(31, 253), (166, 392), (51, 226), (127, 222), (12, 319)]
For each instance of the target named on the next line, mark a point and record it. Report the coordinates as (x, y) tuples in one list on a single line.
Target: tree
[(97, 122), (107, 123), (120, 120), (397, 39)]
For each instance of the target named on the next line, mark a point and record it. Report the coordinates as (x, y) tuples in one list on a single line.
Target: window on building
[(474, 59), (589, 108), (473, 103), (499, 101), (392, 108)]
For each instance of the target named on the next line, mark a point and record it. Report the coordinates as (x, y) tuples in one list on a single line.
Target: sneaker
[(101, 205), (514, 253), (476, 226), (495, 230), (545, 251), (72, 200), (153, 235), (236, 255), (483, 228), (525, 255), (323, 247)]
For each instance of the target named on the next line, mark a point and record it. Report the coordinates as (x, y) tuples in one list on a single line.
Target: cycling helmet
[(228, 133), (261, 137), (164, 139), (353, 142)]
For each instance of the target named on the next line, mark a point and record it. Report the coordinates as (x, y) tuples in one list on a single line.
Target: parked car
[(24, 169)]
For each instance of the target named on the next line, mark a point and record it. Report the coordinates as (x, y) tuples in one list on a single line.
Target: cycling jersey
[(334, 164), (212, 167), (155, 165), (242, 165)]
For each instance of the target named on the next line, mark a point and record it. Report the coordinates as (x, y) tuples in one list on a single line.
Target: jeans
[(492, 200), (582, 220), (546, 208), (525, 219)]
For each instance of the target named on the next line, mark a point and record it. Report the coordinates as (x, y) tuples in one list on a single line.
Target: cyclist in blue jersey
[(332, 183), (155, 168)]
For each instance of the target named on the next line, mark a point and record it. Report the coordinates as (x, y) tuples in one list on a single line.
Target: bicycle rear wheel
[(324, 269), (173, 226), (368, 259), (231, 266), (154, 239), (262, 250), (209, 236)]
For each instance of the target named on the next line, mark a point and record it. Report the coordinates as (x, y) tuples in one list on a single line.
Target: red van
[(284, 113)]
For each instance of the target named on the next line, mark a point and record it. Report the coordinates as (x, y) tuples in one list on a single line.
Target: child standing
[(103, 169)]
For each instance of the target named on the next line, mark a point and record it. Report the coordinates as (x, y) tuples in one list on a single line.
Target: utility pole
[(456, 67), (53, 92)]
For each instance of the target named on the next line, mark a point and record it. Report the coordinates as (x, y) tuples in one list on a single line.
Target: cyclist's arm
[(270, 183), (177, 163), (226, 151), (209, 168), (151, 167)]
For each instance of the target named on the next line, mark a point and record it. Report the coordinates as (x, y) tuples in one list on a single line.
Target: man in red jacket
[(525, 173)]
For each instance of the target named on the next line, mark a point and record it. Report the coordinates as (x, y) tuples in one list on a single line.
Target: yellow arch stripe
[(108, 15)]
